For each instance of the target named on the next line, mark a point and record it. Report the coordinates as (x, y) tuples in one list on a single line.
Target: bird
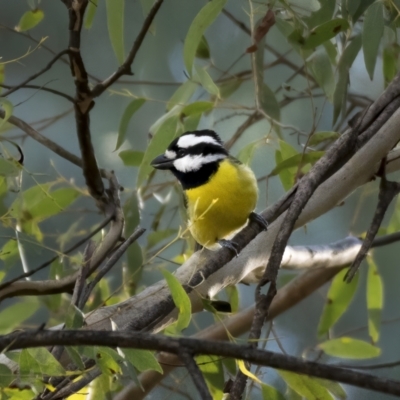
[(220, 192)]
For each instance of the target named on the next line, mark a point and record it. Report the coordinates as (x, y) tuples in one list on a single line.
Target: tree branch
[(34, 76), (125, 68), (143, 340)]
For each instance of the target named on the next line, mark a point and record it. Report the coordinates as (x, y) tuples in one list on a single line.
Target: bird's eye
[(181, 152)]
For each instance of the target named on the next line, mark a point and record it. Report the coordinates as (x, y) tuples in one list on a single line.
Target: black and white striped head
[(193, 157)]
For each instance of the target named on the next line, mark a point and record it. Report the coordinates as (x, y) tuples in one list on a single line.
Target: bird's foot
[(260, 220), (233, 246)]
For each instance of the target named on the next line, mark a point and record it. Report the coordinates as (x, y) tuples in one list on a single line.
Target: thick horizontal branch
[(143, 340)]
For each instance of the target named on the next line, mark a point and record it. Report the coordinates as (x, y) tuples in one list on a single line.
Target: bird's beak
[(162, 162)]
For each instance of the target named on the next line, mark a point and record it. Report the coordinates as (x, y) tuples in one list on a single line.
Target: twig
[(195, 373), (387, 192), (34, 76), (263, 303), (44, 88), (109, 264), (125, 68), (47, 263), (144, 340)]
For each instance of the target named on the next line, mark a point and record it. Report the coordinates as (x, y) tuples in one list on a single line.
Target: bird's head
[(193, 157)]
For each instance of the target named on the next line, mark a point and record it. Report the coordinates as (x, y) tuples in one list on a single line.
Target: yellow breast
[(220, 207)]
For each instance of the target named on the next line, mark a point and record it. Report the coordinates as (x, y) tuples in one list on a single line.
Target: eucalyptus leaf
[(115, 24), (346, 347), (201, 22), (338, 299), (372, 34), (374, 300), (130, 110), (30, 19)]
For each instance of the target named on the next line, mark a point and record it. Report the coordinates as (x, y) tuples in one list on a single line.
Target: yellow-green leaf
[(48, 364), (115, 24), (181, 300), (213, 372), (338, 299), (198, 107), (372, 34), (162, 138), (205, 80), (305, 386), (14, 315), (131, 108), (201, 22), (142, 360), (320, 137), (347, 347), (182, 95), (8, 109), (374, 300), (90, 13), (131, 158), (29, 20), (270, 393)]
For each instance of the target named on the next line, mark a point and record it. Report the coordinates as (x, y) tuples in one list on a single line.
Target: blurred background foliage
[(277, 108)]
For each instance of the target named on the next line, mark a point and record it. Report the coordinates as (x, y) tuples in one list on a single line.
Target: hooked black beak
[(162, 162)]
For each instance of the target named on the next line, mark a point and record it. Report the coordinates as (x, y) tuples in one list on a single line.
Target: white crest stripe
[(192, 163), (170, 154), (190, 140)]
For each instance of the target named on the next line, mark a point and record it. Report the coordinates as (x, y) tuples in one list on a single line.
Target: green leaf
[(333, 387), (205, 80), (286, 175), (191, 122), (8, 109), (233, 297), (201, 22), (15, 314), (47, 363), (90, 13), (132, 107), (357, 8), (265, 96), (132, 272), (325, 13), (298, 160), (198, 107), (374, 300), (57, 201), (181, 300), (29, 20), (372, 34), (390, 62), (321, 68), (27, 365), (339, 297), (320, 137), (73, 353), (305, 386), (346, 347), (319, 34), (6, 376), (107, 360), (142, 360), (226, 89), (346, 61), (270, 393), (154, 238), (162, 138), (246, 153), (213, 372), (115, 24), (75, 318), (182, 95), (9, 168), (203, 50), (131, 158)]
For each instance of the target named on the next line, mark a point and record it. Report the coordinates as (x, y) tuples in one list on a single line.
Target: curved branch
[(144, 340)]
